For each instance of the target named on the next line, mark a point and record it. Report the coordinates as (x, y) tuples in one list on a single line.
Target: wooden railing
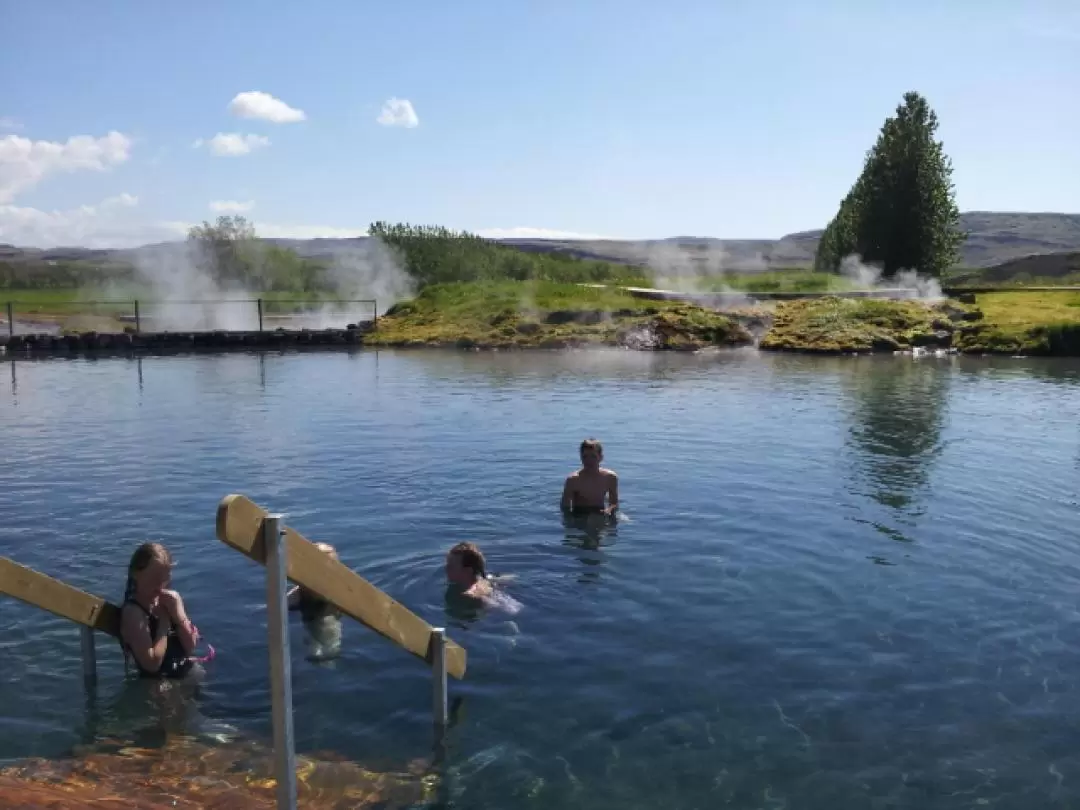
[(262, 536), (286, 555), (89, 611)]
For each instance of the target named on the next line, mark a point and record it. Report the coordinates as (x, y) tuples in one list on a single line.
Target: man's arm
[(567, 502), (613, 493)]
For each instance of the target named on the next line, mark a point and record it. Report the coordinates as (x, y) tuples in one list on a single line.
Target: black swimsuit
[(176, 662)]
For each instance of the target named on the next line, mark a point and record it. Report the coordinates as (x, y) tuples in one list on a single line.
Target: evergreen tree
[(901, 213)]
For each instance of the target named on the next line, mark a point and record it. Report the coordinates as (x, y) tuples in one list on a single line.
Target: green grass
[(778, 281), (1024, 323), (547, 314)]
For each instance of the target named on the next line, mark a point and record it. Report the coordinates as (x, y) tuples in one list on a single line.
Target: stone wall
[(218, 340)]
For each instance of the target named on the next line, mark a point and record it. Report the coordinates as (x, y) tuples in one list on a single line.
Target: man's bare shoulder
[(604, 471), (574, 476)]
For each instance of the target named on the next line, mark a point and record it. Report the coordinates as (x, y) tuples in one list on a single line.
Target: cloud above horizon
[(231, 206), (232, 144), (24, 163), (398, 112), (264, 107), (106, 224)]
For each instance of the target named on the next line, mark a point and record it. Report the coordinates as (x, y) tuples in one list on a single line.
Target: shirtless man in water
[(585, 490)]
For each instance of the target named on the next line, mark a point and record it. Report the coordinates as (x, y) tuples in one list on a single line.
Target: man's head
[(592, 453), (465, 564)]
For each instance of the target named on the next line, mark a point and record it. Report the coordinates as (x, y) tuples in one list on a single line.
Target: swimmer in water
[(154, 626), (472, 584), (466, 570), (586, 490), (321, 619)]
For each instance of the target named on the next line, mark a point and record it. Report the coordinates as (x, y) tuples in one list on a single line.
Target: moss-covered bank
[(511, 315), (997, 323)]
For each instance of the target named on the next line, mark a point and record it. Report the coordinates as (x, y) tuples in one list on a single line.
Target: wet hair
[(144, 555), (472, 558), (592, 444)]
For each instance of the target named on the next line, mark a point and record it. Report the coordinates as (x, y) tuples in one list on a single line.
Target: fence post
[(438, 671), (10, 320), (375, 314), (280, 662), (260, 315), (89, 656), (138, 321)]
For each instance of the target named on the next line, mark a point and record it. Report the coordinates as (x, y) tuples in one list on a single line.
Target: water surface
[(844, 583)]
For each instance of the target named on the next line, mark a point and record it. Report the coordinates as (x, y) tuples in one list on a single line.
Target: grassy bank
[(1040, 323), (1005, 322), (550, 315), (833, 325)]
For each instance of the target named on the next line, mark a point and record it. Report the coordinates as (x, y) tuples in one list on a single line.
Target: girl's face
[(153, 579), (456, 572)]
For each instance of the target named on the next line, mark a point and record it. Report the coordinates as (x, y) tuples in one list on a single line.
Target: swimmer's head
[(149, 571), (592, 453), (327, 549), (465, 564)]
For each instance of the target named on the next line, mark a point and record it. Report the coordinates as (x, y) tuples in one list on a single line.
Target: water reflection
[(509, 369), (590, 534), (897, 412)]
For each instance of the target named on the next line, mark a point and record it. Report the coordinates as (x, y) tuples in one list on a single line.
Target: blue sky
[(624, 119)]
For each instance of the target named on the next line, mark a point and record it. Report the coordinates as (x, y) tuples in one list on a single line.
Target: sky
[(123, 123)]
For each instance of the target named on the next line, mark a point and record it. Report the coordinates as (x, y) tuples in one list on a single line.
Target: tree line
[(230, 252)]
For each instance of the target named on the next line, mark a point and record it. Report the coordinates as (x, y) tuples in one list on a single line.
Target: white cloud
[(232, 144), (525, 232), (23, 163), (107, 224), (231, 206), (398, 112), (263, 106), (9, 123)]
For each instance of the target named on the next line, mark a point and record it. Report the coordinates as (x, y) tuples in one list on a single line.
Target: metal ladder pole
[(277, 588)]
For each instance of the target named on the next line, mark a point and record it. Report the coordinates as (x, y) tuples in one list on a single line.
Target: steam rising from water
[(182, 294), (702, 270), (867, 277)]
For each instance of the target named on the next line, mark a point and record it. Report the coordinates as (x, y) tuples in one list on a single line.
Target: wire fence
[(148, 315)]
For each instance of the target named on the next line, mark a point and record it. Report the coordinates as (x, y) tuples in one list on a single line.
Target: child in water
[(154, 626), (585, 491), (321, 619), (466, 570)]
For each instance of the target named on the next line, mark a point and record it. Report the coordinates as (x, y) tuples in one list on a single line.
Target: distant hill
[(993, 239), (1049, 268)]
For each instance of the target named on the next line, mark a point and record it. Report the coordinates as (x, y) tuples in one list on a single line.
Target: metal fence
[(155, 315)]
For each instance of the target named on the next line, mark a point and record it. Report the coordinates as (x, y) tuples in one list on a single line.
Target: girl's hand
[(170, 603)]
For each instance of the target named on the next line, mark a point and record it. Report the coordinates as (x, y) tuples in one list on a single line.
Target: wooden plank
[(57, 597), (239, 525)]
